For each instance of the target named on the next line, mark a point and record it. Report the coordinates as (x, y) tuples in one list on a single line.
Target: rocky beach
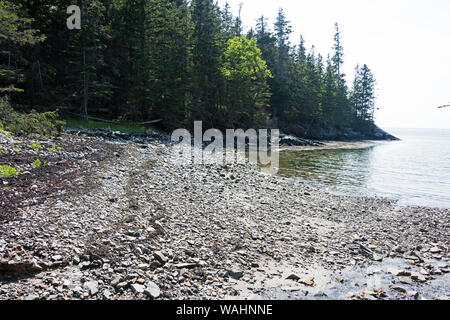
[(122, 220)]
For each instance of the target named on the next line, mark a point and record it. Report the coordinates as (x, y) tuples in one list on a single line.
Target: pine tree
[(363, 98), (280, 85), (208, 47), (86, 54), (15, 33)]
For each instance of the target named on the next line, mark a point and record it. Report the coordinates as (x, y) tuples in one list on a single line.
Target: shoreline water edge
[(130, 223)]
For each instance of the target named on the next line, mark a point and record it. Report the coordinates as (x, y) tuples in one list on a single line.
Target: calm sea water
[(414, 171)]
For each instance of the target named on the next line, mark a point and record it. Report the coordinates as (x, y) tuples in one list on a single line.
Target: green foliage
[(174, 60), (15, 32), (3, 150), (8, 172), (46, 124), (54, 149), (36, 146), (37, 163), (363, 98), (246, 92)]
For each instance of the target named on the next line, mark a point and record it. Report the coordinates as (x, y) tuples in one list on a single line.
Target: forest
[(176, 61)]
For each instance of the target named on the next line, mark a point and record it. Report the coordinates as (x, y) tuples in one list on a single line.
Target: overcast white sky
[(406, 43)]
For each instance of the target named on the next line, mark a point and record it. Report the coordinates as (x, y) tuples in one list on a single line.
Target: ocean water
[(413, 171)]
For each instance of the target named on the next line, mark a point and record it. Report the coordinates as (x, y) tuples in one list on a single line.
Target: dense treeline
[(178, 61)]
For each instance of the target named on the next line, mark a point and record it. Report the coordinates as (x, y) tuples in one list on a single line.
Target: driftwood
[(444, 106)]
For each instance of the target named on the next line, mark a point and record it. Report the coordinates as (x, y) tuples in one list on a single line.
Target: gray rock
[(92, 286), (235, 274), (115, 281), (160, 257), (152, 290), (398, 289), (185, 265), (32, 296), (137, 288), (107, 295)]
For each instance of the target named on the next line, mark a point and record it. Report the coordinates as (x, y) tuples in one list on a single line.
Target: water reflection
[(414, 171), (336, 167)]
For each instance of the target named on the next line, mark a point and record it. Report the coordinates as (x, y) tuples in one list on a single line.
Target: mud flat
[(139, 225)]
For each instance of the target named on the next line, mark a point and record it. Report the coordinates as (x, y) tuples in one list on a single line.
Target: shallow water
[(414, 171), (355, 280)]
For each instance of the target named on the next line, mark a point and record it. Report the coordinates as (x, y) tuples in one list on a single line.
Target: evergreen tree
[(363, 98), (15, 33), (207, 52), (280, 84)]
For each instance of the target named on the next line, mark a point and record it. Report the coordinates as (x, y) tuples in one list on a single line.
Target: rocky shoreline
[(137, 225)]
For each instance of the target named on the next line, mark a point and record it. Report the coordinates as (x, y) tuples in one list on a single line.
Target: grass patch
[(93, 124), (8, 172)]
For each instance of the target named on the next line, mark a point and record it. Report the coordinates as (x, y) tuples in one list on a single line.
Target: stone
[(235, 274), (143, 266), (405, 280), (32, 296), (57, 258), (152, 290), (160, 257), (293, 277), (435, 250), (92, 287), (137, 288), (418, 277), (308, 281), (185, 265), (398, 289), (115, 281), (107, 295)]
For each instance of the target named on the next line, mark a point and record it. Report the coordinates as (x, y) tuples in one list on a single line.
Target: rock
[(57, 258), (160, 257), (435, 250), (398, 289), (107, 295), (405, 280), (115, 281), (92, 286), (32, 296), (235, 274), (413, 294), (152, 290), (143, 266), (122, 284), (137, 288), (185, 265), (378, 257), (308, 281), (320, 294), (399, 273), (418, 277), (151, 230), (293, 277)]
